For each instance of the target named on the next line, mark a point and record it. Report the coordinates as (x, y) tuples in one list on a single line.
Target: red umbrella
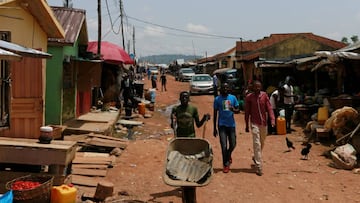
[(110, 52)]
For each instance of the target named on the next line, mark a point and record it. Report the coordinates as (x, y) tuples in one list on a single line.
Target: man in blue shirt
[(225, 105)]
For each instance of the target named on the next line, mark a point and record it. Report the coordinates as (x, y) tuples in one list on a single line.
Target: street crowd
[(261, 111)]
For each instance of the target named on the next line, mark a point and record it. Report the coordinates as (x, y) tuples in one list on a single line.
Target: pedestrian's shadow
[(177, 192), (236, 170)]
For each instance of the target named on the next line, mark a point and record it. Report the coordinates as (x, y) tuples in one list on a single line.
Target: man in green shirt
[(185, 115)]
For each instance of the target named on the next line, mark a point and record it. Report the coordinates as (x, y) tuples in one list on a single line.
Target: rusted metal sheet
[(186, 168), (188, 162), (73, 21)]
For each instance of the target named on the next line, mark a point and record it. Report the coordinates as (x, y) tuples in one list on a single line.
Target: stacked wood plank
[(90, 168)]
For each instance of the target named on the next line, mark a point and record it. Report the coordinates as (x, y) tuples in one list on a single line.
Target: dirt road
[(138, 173)]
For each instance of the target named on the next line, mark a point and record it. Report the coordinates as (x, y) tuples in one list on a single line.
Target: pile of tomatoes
[(24, 185)]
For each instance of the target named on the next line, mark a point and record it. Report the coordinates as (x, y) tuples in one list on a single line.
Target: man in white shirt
[(277, 102), (288, 102), (216, 84)]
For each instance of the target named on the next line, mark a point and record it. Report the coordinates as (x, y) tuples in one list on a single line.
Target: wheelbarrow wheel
[(189, 194)]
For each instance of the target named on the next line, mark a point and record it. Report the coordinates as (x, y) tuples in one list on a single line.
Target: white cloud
[(154, 31), (357, 16), (334, 35), (197, 28)]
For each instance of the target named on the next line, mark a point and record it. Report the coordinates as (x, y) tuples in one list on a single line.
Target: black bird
[(289, 144), (305, 151)]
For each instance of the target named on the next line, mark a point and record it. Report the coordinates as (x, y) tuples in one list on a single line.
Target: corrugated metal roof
[(73, 22), (188, 162), (23, 50), (304, 60), (243, 47), (7, 55), (351, 47)]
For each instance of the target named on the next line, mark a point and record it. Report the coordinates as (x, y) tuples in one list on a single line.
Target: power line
[(111, 22), (194, 34), (171, 28), (176, 35)]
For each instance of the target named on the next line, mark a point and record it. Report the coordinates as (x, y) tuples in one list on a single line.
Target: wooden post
[(104, 189)]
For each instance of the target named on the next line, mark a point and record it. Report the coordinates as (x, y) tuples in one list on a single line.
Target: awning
[(303, 60), (23, 51), (272, 64), (7, 55), (351, 47), (110, 52), (221, 70), (336, 55), (275, 65), (322, 63)]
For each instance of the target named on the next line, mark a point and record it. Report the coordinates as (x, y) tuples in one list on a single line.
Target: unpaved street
[(138, 173)]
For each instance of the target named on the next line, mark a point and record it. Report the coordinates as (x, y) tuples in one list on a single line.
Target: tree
[(354, 38), (345, 40)]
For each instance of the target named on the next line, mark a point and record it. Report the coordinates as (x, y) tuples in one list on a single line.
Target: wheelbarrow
[(188, 165)]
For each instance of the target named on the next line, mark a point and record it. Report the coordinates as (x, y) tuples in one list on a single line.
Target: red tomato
[(24, 185)]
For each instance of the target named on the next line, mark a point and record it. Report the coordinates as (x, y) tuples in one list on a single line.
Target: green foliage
[(167, 58), (345, 40), (353, 38)]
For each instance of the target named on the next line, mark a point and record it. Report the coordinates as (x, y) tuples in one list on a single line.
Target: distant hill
[(167, 58)]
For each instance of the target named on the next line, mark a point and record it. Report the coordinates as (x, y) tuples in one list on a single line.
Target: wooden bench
[(56, 156)]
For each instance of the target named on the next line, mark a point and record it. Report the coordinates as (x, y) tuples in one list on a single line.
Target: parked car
[(185, 74), (234, 78), (154, 70), (201, 84)]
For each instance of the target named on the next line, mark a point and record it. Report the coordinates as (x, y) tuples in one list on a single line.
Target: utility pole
[(128, 46), (122, 24), (193, 49), (99, 28), (134, 41), (67, 3)]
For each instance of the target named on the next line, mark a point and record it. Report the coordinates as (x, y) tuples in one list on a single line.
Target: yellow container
[(141, 108), (323, 115), (280, 125), (63, 194)]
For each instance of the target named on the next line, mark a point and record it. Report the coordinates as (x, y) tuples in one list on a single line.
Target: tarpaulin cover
[(110, 52)]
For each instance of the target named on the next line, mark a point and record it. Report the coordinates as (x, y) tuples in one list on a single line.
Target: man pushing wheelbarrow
[(188, 159)]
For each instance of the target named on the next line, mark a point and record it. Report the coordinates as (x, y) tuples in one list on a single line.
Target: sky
[(208, 27)]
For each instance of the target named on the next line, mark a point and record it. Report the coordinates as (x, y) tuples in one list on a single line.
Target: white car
[(185, 74), (154, 70), (201, 84)]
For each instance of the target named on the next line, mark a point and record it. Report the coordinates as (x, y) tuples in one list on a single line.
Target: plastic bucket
[(323, 115), (280, 125), (141, 108), (152, 95), (63, 194)]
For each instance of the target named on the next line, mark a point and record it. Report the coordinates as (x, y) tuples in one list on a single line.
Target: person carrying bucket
[(277, 102)]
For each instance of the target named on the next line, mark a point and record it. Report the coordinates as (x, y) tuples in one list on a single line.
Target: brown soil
[(138, 173)]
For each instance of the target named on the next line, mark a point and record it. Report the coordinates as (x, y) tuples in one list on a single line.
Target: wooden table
[(57, 155), (306, 111)]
